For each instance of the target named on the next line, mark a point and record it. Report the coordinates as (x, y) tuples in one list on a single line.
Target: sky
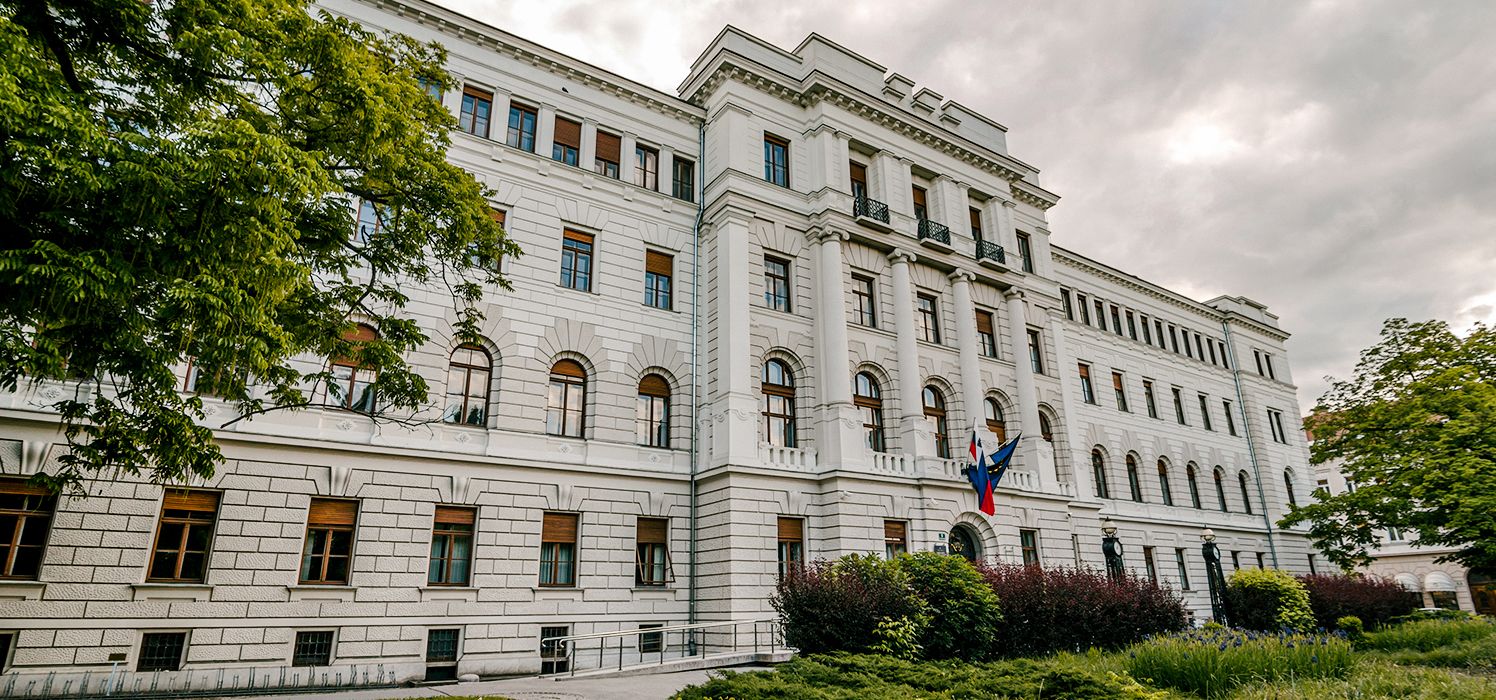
[(1335, 160)]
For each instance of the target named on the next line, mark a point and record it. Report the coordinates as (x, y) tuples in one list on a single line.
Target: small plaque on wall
[(940, 549)]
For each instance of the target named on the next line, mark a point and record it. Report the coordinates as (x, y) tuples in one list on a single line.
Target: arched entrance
[(1483, 591), (964, 542)]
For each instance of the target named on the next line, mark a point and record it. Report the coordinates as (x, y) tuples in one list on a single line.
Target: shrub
[(963, 609), (1212, 664), (1422, 614), (1267, 599), (1352, 627), (837, 606), (1430, 634), (1374, 599), (1055, 609)]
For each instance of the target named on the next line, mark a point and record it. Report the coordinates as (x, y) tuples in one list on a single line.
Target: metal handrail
[(934, 231), (694, 643), (871, 208)]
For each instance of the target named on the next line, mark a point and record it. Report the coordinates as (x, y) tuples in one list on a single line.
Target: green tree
[(178, 180), (1416, 430)]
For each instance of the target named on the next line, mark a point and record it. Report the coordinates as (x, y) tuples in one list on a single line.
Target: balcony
[(991, 255), (871, 213), (934, 235)]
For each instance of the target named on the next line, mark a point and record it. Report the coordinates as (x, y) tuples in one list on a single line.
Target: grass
[(1211, 664), (1467, 644), (1378, 680)]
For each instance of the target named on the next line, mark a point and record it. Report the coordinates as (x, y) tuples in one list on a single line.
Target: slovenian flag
[(987, 470)]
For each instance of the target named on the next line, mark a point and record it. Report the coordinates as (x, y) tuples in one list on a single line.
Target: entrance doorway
[(1483, 592), (964, 542)]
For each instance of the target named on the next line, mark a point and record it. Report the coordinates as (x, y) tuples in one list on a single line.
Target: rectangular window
[(1026, 250), (1085, 313), (1257, 355), (658, 272), (553, 652), (791, 544), (576, 260), (441, 654), (1116, 320), (921, 208), (651, 642), (1132, 327), (1159, 326), (521, 132), (566, 145), (452, 546), (683, 179), (1261, 562), (1100, 313), (928, 318), (1199, 348), (1121, 391), (857, 173), (312, 649), (1184, 573), (1150, 566), (777, 160), (1028, 542), (1205, 412), (1267, 361), (1210, 343), (327, 554), (1225, 357), (776, 283), (609, 153), (974, 215), (184, 536), (558, 549), (1148, 399), (1186, 333), (25, 519), (647, 168), (652, 552), (1179, 406), (985, 335), (1065, 302), (1230, 419), (1275, 424), (1087, 392), (1036, 351), (1147, 336), (1173, 339), (1236, 560), (161, 651), (1313, 568), (895, 538), (477, 108), (864, 301)]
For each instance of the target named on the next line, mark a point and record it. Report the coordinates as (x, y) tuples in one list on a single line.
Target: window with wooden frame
[(566, 144), (1163, 482), (1036, 351), (1148, 399), (927, 318), (352, 385), (1028, 543), (1134, 480), (25, 520), (651, 642), (647, 168), (477, 109), (1132, 326), (791, 545), (776, 283), (566, 404), (864, 301), (1120, 390), (857, 173), (576, 260), (919, 197), (1085, 311), (986, 337), (558, 549), (659, 270), (1220, 482), (683, 179), (609, 154), (997, 424), (652, 552), (1100, 307), (652, 412), (1026, 251), (521, 132), (468, 374), (1087, 392), (1178, 405), (1098, 475), (974, 215), (327, 555), (778, 387), (1205, 412), (895, 538), (1191, 476), (934, 411), (1246, 498), (452, 531), (776, 160), (1149, 565), (1147, 336), (868, 397), (312, 649), (1116, 320), (184, 537), (161, 651)]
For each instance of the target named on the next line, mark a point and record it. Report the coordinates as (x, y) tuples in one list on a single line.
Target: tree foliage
[(178, 180), (1415, 428)]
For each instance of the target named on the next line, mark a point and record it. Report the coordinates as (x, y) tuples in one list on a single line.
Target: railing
[(1024, 481), (892, 463), (185, 684), (930, 230), (991, 251), (627, 648), (793, 458), (871, 208)]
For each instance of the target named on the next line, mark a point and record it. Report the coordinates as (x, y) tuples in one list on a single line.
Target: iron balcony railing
[(934, 231), (990, 251), (871, 208)]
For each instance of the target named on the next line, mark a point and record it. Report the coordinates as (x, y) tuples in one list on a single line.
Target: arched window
[(1098, 473), (1163, 482), (653, 411), (778, 386), (1220, 479), (869, 399), (566, 408), (1189, 474), (935, 415), (1045, 431), (995, 421), (467, 386), (1246, 501), (1288, 486), (352, 384), (1134, 486)]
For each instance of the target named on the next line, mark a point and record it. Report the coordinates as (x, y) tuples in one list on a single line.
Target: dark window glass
[(778, 387), (312, 649), (1036, 353), (652, 552), (576, 261), (1028, 541), (467, 386), (451, 559), (521, 132), (777, 283), (777, 160), (1134, 483), (327, 552), (161, 651), (184, 537), (864, 301), (683, 180), (477, 108), (1098, 475), (1189, 474), (868, 397), (566, 404), (934, 408), (652, 412), (25, 520), (1026, 250), (558, 549), (441, 654), (554, 650), (1163, 483), (928, 318)]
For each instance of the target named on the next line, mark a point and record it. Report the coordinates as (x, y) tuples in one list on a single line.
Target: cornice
[(1033, 195)]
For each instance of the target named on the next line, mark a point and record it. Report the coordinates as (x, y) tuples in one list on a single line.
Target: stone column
[(838, 430), (545, 130), (666, 170), (972, 389), (1008, 235), (626, 163), (891, 183), (914, 436), (587, 154), (735, 403), (1028, 397), (1080, 475)]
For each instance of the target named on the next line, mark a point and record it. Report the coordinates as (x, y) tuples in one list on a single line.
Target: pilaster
[(545, 130), (1032, 444), (966, 334), (914, 435)]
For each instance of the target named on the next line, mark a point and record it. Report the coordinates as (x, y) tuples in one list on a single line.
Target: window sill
[(466, 594), (152, 590), (569, 590), (21, 589), (338, 592)]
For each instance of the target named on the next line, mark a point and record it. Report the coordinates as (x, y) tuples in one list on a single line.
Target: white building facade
[(629, 447)]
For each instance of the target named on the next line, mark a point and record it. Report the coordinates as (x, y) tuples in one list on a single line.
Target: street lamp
[(1213, 575), (1111, 548)]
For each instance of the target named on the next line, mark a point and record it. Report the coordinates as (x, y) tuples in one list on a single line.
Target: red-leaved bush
[(1372, 598), (836, 606), (1045, 610)]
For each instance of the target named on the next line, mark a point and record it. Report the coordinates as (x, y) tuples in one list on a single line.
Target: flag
[(987, 470)]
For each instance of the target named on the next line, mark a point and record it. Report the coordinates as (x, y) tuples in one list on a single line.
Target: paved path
[(652, 687)]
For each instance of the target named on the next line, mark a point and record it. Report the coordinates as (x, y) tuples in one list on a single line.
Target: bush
[(1422, 614), (1212, 664), (1267, 599), (837, 606), (963, 609), (1351, 625), (1046, 610), (1374, 599), (1429, 635)]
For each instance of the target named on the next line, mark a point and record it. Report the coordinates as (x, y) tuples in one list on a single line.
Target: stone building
[(629, 447)]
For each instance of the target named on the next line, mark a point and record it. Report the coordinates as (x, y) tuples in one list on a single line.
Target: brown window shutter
[(559, 527), (475, 92), (859, 173), (568, 133), (658, 263), (976, 219), (919, 196), (1085, 372), (19, 487), (894, 531), (609, 147), (497, 215), (578, 236), (984, 322), (569, 368), (361, 334), (654, 385), (792, 529), (1116, 381), (181, 499), (653, 531), (456, 515), (327, 511)]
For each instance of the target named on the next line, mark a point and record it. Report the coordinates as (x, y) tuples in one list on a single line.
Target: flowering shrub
[(1267, 599), (1059, 609), (1213, 663), (837, 606), (1373, 599), (963, 609)]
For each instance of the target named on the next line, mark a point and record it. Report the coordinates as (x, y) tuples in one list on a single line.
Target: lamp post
[(1213, 575), (1111, 548)]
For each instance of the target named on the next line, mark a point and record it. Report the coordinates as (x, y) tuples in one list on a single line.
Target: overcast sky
[(1334, 160)]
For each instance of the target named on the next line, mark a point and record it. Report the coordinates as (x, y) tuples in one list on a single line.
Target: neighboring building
[(877, 275)]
